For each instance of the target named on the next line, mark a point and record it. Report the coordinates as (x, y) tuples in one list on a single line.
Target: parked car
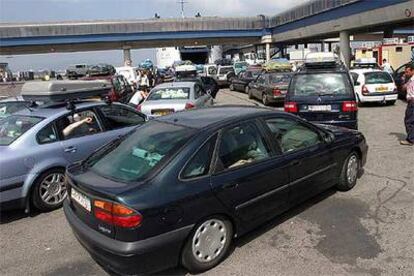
[(180, 188), (167, 98), (76, 71), (208, 84), (270, 87), (400, 81), (37, 144), (322, 91), (224, 75), (129, 72), (374, 86), (121, 90), (365, 63), (210, 70), (242, 80), (101, 70)]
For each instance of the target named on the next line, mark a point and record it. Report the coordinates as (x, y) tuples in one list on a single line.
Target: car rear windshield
[(142, 151), (14, 126), (377, 78), (175, 93), (280, 78), (319, 84)]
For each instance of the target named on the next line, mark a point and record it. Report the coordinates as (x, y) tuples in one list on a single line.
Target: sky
[(67, 10)]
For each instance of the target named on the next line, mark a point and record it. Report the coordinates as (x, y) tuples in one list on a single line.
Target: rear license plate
[(381, 89), (81, 199), (319, 108), (162, 112)]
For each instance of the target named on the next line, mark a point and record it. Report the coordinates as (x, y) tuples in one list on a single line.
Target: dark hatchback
[(270, 87), (178, 189), (323, 93)]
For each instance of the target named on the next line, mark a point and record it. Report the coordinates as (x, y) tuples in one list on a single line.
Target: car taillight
[(189, 105), (364, 90), (291, 107), (277, 92), (349, 106), (116, 214)]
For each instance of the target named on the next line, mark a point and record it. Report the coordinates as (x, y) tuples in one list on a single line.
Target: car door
[(311, 165), (249, 178), (259, 86), (85, 138), (119, 119)]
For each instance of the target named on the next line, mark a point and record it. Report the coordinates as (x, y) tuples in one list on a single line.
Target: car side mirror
[(328, 138)]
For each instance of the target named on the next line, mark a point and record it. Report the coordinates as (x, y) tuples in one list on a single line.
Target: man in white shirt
[(409, 112), (386, 66)]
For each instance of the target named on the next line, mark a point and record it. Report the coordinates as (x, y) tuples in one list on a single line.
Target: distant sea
[(60, 61)]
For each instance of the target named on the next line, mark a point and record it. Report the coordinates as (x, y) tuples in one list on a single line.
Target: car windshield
[(377, 78), (171, 93), (225, 70), (142, 151), (319, 84), (13, 127), (280, 78)]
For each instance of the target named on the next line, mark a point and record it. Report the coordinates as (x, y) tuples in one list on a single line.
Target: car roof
[(366, 70), (55, 109), (214, 116), (176, 84)]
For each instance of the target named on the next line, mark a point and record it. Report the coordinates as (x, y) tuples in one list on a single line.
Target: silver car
[(167, 98), (37, 143)]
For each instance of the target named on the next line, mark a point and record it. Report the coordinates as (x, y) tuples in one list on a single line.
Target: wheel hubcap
[(352, 169), (209, 240), (53, 189)]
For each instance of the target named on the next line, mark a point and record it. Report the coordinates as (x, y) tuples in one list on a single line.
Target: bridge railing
[(138, 26), (306, 10)]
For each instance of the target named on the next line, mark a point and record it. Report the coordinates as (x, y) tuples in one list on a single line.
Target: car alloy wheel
[(231, 87), (265, 100), (50, 191), (246, 89), (349, 173), (209, 240)]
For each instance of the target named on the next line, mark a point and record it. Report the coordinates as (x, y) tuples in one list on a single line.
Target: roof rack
[(321, 60), (64, 91)]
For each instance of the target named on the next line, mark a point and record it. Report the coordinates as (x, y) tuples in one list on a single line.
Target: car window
[(316, 84), (47, 135), (354, 77), (7, 108), (291, 135), (170, 93), (247, 74), (78, 124), (14, 126), (241, 145), (198, 92), (279, 78), (140, 152), (261, 79), (377, 78), (225, 70), (199, 165), (119, 116)]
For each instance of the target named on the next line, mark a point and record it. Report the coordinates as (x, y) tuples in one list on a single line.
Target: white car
[(129, 72), (372, 85)]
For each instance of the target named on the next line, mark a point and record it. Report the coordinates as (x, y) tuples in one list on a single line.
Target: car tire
[(231, 87), (246, 89), (265, 100), (390, 102), (49, 190), (213, 236), (249, 94), (349, 173)]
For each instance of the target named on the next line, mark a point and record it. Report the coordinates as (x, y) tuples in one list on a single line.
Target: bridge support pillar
[(322, 46), (127, 56), (345, 47), (267, 51)]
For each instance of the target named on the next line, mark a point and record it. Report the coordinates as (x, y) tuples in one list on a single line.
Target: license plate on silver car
[(81, 199), (319, 107)]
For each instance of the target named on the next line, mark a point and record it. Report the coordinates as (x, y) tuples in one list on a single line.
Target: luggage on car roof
[(274, 65), (57, 91)]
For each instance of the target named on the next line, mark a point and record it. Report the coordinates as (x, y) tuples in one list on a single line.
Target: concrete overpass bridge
[(314, 20)]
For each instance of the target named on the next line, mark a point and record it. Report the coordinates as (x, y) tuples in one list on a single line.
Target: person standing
[(409, 112), (144, 82), (386, 66)]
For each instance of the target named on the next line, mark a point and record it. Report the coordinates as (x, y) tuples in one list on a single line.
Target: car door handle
[(295, 163), (230, 185), (70, 149)]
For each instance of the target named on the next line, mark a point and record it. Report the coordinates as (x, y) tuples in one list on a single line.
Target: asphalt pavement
[(366, 231)]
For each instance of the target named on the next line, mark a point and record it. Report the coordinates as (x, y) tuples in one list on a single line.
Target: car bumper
[(352, 124), (146, 256), (277, 99), (378, 97)]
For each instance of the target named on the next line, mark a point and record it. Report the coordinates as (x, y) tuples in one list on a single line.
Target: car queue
[(134, 191)]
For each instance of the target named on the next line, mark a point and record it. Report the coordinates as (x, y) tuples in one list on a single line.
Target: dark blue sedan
[(178, 189)]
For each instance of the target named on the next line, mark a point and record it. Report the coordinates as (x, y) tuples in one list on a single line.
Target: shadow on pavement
[(13, 215), (398, 136)]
